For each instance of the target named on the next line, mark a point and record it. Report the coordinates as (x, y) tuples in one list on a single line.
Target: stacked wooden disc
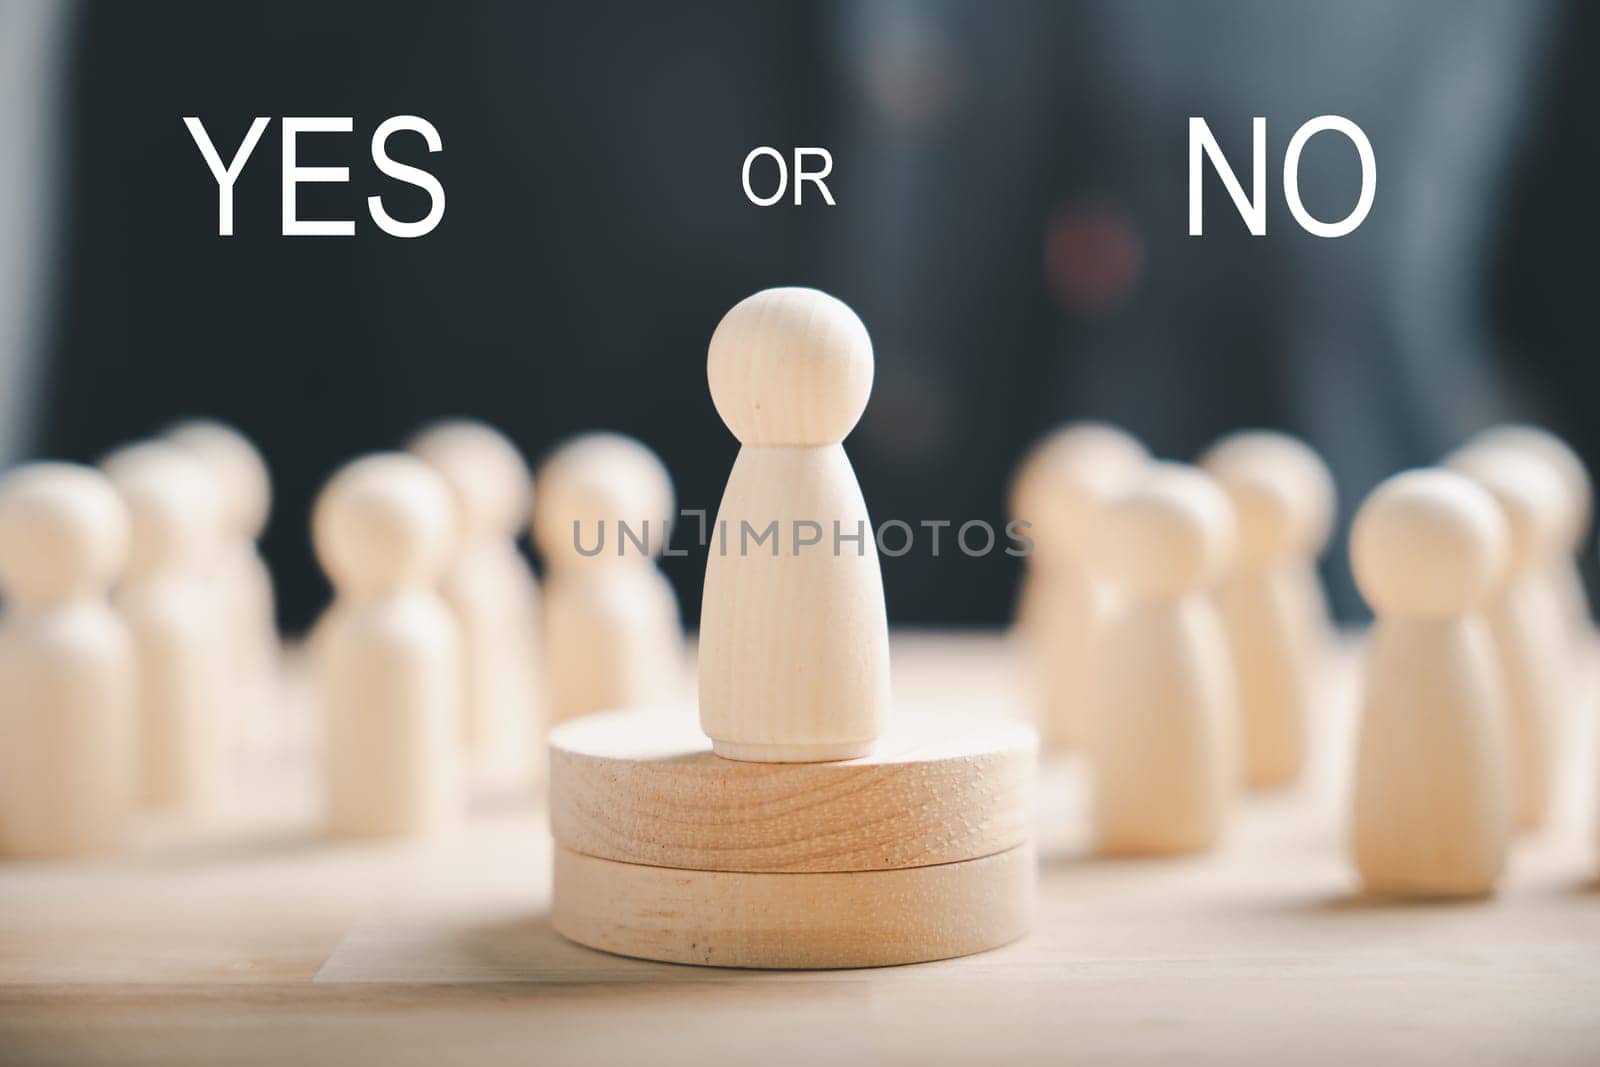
[(917, 852)]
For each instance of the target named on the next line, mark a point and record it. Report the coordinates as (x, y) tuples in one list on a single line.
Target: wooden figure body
[(1272, 601), (178, 615), (246, 487), (494, 595), (69, 759), (1302, 474), (387, 655), (1163, 737), (1059, 491), (613, 640), (612, 634), (1431, 807), (1576, 521), (794, 640), (1528, 622)]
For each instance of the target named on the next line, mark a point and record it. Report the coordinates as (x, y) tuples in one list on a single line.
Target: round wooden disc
[(642, 786), (795, 921)]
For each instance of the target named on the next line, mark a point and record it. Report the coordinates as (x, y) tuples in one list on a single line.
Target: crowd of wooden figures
[(1171, 614)]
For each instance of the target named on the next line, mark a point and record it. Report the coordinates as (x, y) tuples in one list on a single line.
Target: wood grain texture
[(795, 921), (644, 787), (263, 942), (794, 637)]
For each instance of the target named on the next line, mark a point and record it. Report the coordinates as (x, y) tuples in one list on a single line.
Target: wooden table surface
[(258, 942)]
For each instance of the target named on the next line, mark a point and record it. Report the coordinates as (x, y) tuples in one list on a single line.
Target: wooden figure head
[(1428, 543), (1170, 534), (790, 367), (490, 480), (382, 523), (176, 508), (63, 533)]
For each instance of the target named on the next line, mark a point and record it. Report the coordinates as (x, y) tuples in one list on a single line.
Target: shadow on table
[(1084, 858), (528, 948), (1361, 901)]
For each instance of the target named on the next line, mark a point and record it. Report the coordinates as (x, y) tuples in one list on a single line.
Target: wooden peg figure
[(246, 487), (1561, 571), (1060, 490), (1163, 737), (1431, 803), (387, 654), (1577, 520), (1272, 601), (794, 641), (178, 615), (612, 634), (1528, 622), (494, 594), (1315, 505), (69, 759)]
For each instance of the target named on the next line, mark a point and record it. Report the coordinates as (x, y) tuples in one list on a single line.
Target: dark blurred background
[(1011, 224)]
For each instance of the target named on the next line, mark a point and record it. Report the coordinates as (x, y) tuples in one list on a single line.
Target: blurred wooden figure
[(178, 614), (1528, 621), (612, 634), (1431, 806), (1163, 733), (387, 654), (68, 717), (1060, 491), (1272, 601), (1577, 517), (246, 486), (494, 595), (794, 643)]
